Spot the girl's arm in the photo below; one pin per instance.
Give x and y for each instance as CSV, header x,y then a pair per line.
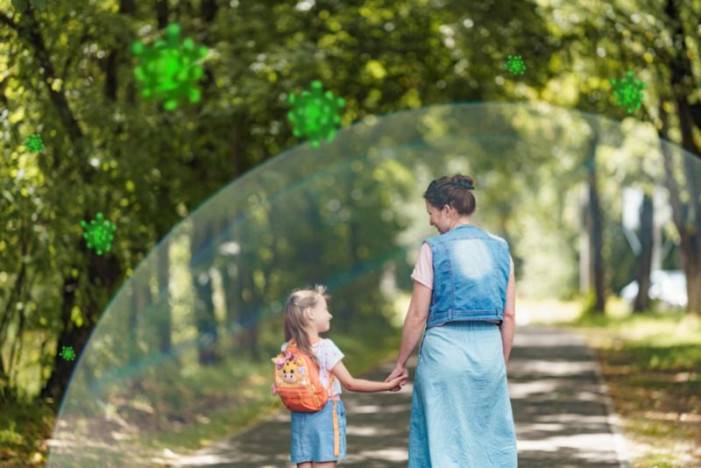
x,y
352,384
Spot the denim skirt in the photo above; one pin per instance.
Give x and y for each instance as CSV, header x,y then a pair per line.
x,y
461,410
313,434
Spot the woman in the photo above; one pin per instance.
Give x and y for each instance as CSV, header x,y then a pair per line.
x,y
464,291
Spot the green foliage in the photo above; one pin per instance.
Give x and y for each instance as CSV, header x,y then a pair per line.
x,y
589,313
22,5
24,426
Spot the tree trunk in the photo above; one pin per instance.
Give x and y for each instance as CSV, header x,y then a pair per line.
x,y
584,244
248,313
104,273
686,244
138,304
162,13
28,30
6,384
644,266
70,336
126,7
205,320
209,10
232,290
165,321
691,230
596,228
681,78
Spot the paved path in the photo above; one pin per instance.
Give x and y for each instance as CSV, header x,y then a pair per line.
x,y
561,409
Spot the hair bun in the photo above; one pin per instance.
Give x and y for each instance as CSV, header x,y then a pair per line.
x,y
465,184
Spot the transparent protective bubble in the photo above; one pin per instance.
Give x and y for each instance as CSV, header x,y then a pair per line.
x,y
181,356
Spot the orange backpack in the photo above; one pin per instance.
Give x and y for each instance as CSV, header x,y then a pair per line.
x,y
297,381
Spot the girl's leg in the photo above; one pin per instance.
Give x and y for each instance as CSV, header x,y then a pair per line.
x,y
305,465
330,464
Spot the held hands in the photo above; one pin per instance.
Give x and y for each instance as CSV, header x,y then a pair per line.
x,y
394,385
399,376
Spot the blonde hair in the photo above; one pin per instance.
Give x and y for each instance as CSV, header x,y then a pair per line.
x,y
295,322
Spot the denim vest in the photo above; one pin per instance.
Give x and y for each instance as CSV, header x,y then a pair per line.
x,y
470,274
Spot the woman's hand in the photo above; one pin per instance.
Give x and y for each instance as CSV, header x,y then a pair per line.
x,y
395,384
400,372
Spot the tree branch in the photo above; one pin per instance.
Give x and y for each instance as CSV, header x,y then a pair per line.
x,y
8,22
29,32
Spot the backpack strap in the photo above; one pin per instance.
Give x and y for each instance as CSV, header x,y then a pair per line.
x,y
329,389
336,437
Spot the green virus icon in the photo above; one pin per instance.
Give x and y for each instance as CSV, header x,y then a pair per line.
x,y
34,143
99,234
514,63
169,70
67,353
628,91
315,113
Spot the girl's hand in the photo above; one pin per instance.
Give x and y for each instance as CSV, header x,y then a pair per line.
x,y
395,384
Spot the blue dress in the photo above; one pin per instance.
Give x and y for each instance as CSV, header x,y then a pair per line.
x,y
315,436
461,413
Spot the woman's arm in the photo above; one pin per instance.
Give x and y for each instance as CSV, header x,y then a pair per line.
x,y
508,323
414,322
352,384
414,325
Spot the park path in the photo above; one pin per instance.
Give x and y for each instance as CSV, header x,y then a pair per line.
x,y
563,415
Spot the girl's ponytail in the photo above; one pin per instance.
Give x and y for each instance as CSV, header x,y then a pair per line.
x,y
295,321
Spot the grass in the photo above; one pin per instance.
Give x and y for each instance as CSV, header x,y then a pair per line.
x,y
652,365
24,428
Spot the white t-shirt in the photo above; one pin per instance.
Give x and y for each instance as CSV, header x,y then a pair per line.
x,y
328,355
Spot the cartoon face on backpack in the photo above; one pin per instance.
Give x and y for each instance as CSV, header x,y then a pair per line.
x,y
291,370
294,371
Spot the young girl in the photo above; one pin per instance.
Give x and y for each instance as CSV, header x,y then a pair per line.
x,y
319,439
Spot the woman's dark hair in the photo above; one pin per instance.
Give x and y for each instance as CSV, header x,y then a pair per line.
x,y
455,191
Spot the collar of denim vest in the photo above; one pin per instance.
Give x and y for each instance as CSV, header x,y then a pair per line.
x,y
461,225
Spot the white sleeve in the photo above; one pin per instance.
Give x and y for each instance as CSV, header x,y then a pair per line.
x,y
333,354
